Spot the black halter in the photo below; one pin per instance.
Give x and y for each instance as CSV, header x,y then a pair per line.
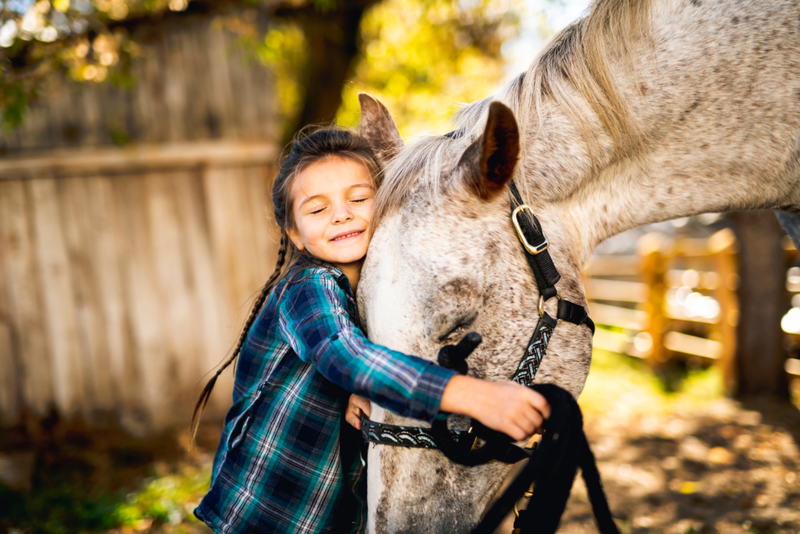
x,y
460,446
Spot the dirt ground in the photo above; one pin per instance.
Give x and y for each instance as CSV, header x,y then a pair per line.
x,y
724,468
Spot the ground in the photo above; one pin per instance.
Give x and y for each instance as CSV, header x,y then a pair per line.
x,y
688,461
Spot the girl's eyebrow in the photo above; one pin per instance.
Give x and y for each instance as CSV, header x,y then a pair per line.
x,y
369,186
307,199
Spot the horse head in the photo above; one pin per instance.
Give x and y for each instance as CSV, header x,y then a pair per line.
x,y
444,261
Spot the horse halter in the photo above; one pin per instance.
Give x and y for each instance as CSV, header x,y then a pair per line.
x,y
563,448
458,445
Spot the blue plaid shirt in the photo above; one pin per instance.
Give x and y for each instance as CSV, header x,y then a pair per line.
x,y
287,461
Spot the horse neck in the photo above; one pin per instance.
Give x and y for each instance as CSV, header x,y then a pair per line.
x,y
685,173
720,125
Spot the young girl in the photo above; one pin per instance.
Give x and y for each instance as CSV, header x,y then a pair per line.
x,y
286,461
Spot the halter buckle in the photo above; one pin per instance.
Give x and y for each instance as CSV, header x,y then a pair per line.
x,y
533,249
541,305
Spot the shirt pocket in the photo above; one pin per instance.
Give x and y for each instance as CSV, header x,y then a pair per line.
x,y
240,424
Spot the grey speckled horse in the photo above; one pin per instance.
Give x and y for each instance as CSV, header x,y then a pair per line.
x,y
642,111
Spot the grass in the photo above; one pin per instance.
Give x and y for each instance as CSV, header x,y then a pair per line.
x,y
162,502
618,382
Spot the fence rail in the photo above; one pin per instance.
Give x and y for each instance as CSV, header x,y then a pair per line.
x,y
676,299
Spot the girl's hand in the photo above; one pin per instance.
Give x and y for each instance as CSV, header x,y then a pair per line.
x,y
356,407
507,407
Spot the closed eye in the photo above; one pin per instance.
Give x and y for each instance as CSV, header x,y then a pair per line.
x,y
318,210
461,327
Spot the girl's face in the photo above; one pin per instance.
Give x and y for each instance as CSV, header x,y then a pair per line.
x,y
332,203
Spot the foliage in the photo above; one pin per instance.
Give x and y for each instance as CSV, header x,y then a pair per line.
x,y
168,499
423,57
283,49
59,507
81,38
56,509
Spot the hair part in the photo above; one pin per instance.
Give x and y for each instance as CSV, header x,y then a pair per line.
x,y
310,145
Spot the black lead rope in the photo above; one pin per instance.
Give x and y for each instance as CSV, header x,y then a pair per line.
x,y
552,470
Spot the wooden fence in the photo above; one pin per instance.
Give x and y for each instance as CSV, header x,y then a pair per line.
x,y
674,298
120,288
126,271
791,321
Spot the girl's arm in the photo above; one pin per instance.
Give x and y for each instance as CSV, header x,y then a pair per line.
x,y
315,322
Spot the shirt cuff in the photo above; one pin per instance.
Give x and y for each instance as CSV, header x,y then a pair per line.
x,y
429,391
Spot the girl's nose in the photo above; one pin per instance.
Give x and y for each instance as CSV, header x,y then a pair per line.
x,y
341,213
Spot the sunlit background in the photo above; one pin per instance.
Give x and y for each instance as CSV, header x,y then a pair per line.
x,y
138,144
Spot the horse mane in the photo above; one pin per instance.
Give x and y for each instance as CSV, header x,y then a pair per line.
x,y
573,70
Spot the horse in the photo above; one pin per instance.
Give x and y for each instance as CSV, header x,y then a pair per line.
x,y
641,111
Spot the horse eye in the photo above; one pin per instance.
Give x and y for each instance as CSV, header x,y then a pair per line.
x,y
459,329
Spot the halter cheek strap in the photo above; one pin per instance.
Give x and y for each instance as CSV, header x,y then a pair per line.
x,y
535,245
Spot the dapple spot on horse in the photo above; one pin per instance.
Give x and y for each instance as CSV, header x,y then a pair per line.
x,y
640,112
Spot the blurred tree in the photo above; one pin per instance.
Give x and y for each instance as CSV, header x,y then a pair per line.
x,y
423,57
415,49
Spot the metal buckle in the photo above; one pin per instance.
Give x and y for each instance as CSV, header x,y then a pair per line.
x,y
541,305
535,250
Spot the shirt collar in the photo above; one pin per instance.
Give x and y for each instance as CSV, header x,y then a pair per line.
x,y
307,260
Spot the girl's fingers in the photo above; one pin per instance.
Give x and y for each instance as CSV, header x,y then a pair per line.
x,y
539,403
361,403
353,419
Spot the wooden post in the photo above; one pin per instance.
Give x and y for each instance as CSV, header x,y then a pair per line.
x,y
723,246
653,267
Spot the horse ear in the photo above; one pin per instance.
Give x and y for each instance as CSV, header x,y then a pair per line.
x,y
378,128
489,163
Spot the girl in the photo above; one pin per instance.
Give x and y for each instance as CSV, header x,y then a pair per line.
x,y
286,461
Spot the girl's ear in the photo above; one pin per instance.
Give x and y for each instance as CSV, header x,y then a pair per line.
x,y
295,237
378,128
488,164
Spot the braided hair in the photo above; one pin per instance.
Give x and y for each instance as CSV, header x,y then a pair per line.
x,y
309,146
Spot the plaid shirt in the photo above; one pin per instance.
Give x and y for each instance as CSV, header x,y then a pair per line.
x,y
287,460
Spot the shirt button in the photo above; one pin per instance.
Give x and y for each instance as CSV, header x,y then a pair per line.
x,y
334,337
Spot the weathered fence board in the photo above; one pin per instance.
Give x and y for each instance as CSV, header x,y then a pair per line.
x,y
120,292
24,299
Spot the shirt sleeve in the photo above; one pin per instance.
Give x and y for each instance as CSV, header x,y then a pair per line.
x,y
315,323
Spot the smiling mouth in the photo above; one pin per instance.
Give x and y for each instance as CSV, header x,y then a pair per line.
x,y
351,234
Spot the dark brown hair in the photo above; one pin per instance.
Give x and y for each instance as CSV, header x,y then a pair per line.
x,y
309,146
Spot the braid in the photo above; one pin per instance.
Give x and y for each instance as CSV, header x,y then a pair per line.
x,y
206,393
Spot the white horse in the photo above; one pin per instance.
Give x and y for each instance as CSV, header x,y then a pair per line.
x,y
642,111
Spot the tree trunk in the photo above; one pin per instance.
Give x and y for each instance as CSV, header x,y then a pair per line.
x,y
760,355
334,45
